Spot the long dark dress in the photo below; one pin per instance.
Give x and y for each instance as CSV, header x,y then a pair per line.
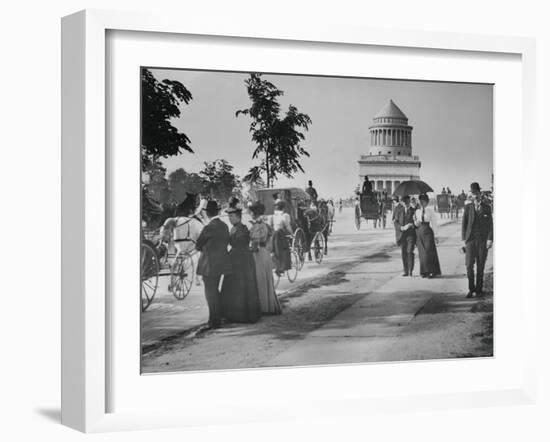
x,y
240,301
427,252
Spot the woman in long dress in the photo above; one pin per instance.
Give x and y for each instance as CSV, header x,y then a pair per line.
x,y
240,300
281,228
426,223
259,237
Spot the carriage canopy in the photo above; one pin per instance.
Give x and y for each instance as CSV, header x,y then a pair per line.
x,y
295,198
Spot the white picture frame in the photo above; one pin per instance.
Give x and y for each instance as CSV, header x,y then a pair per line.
x,y
85,200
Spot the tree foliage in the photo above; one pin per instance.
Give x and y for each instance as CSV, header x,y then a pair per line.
x,y
219,181
278,139
160,102
181,183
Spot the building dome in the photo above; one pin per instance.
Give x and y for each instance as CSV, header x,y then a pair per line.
x,y
390,132
390,110
389,161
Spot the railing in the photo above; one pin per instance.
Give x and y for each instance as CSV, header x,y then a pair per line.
x,y
397,158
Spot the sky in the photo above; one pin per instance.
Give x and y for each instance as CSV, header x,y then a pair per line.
x,y
452,126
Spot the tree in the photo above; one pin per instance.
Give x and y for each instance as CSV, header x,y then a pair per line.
x,y
278,139
158,184
160,102
181,183
219,181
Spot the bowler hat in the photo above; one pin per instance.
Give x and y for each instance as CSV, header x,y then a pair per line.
x,y
474,187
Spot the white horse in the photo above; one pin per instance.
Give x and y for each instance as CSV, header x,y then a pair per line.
x,y
181,233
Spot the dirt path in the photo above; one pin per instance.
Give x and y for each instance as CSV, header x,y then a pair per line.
x,y
448,326
443,325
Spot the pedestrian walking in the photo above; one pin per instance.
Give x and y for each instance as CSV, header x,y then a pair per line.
x,y
239,298
259,237
426,221
477,234
214,260
405,235
281,228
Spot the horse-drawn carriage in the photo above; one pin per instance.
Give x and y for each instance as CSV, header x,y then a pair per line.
x,y
310,226
168,250
374,206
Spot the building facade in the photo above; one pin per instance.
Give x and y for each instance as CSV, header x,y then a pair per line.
x,y
390,159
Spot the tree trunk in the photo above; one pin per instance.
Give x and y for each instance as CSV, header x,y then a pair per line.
x,y
267,167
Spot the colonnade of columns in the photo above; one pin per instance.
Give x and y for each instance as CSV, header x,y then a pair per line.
x,y
390,137
385,184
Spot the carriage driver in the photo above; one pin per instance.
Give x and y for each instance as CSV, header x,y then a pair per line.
x,y
310,190
367,187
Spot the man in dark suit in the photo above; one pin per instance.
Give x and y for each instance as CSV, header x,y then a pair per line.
x,y
214,260
310,190
477,234
366,190
405,234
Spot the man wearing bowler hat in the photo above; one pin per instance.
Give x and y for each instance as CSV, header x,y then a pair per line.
x,y
405,234
477,234
214,260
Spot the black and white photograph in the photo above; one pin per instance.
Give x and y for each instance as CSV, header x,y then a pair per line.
x,y
295,220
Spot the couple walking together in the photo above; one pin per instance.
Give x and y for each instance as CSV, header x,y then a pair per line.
x,y
417,226
240,256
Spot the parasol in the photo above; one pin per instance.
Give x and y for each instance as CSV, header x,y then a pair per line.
x,y
413,187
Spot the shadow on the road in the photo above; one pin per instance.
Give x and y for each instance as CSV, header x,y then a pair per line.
x,y
452,276
448,303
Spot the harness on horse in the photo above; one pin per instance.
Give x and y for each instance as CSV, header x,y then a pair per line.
x,y
186,222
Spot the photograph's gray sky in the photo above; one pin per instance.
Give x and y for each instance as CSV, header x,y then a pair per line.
x,y
452,126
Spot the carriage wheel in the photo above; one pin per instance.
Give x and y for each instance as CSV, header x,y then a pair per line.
x,y
318,247
292,273
181,276
299,246
150,268
357,218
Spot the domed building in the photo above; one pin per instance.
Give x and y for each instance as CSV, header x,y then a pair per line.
x,y
390,159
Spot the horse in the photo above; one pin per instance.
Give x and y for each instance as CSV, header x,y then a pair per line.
x,y
316,220
385,203
182,231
